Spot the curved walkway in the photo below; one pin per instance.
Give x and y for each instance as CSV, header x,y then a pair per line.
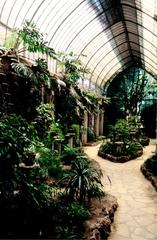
x,y
136,217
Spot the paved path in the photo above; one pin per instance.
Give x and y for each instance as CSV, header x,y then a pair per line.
x,y
136,217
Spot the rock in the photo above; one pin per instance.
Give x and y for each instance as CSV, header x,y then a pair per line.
x,y
102,214
96,235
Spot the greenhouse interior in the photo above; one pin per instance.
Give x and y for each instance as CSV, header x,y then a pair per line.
x,y
78,119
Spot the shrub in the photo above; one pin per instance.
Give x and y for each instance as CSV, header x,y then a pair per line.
x,y
44,119
132,148
15,135
120,131
50,162
69,154
129,148
75,213
107,147
23,193
76,130
71,216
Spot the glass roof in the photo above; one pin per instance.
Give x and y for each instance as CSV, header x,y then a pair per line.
x,y
107,35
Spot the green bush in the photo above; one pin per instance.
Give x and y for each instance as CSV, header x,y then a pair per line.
x,y
44,119
71,216
15,135
120,131
129,148
133,148
76,130
107,148
69,154
75,213
50,162
23,193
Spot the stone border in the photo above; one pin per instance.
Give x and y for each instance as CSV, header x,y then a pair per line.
x,y
149,176
120,159
102,215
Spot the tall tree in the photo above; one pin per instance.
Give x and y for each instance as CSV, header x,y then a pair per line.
x,y
129,89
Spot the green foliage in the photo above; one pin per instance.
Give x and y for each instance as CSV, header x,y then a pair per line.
x,y
12,40
95,191
38,73
69,154
93,100
66,108
45,110
75,213
67,232
15,135
126,130
151,165
133,148
73,67
76,130
100,138
128,90
41,73
91,135
107,148
50,162
71,215
129,148
81,179
56,130
21,69
34,39
44,119
120,131
23,193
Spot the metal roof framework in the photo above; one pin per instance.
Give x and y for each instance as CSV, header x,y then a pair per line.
x,y
107,35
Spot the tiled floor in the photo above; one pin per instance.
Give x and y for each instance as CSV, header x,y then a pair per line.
x,y
136,217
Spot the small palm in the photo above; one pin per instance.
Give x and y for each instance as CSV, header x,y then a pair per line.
x,y
81,179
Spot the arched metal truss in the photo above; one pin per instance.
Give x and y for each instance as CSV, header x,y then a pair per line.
x,y
112,34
